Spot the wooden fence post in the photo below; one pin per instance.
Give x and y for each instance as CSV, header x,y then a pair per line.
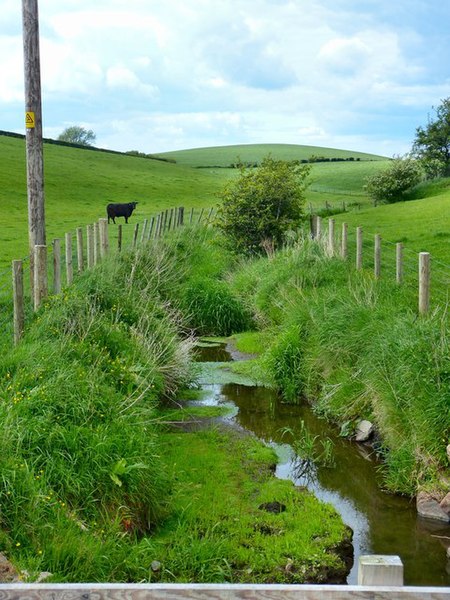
x,y
399,262
318,227
90,245
166,215
344,241
135,235
80,259
181,216
96,242
377,256
172,219
313,226
104,240
200,216
424,282
56,266
144,230
119,237
40,275
359,247
191,216
19,312
150,229
69,266
378,570
331,236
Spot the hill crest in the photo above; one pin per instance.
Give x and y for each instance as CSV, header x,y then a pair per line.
x,y
224,156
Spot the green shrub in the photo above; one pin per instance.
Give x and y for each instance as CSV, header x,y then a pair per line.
x,y
262,205
392,184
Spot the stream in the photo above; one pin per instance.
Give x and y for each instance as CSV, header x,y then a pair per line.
x,y
381,523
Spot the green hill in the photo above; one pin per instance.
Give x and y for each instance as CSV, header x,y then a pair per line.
x,y
79,183
224,156
336,176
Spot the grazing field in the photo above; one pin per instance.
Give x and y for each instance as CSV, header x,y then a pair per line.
x,y
341,179
79,183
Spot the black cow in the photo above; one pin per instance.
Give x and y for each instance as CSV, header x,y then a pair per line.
x,y
120,210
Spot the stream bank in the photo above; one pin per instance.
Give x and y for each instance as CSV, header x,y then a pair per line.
x,y
382,523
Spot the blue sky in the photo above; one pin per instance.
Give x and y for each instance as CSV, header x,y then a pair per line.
x,y
164,75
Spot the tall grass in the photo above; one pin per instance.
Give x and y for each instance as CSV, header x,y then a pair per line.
x,y
355,348
79,461
203,295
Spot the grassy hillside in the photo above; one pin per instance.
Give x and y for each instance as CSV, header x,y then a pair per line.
x,y
422,225
223,156
79,183
331,182
335,182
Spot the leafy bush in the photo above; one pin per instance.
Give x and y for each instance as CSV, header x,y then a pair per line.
x,y
263,204
390,185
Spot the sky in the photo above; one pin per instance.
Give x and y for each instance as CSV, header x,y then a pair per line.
x,y
165,75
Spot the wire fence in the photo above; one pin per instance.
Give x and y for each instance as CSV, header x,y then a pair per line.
x,y
387,261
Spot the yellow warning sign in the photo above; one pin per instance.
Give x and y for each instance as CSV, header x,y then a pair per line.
x,y
29,120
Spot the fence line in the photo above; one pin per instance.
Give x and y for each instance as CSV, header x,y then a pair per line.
x,y
85,253
388,261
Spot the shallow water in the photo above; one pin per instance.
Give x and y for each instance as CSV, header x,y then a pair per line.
x,y
382,523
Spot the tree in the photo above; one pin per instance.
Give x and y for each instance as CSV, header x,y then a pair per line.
x,y
78,135
432,143
391,184
263,204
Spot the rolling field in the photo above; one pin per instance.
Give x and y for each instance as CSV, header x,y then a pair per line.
x,y
331,182
79,183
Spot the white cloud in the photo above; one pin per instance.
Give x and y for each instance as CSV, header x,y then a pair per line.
x,y
196,72
119,76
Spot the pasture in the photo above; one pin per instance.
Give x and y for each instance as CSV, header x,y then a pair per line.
x,y
88,342
79,183
422,225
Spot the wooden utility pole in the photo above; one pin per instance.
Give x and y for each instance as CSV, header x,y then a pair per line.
x,y
33,124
